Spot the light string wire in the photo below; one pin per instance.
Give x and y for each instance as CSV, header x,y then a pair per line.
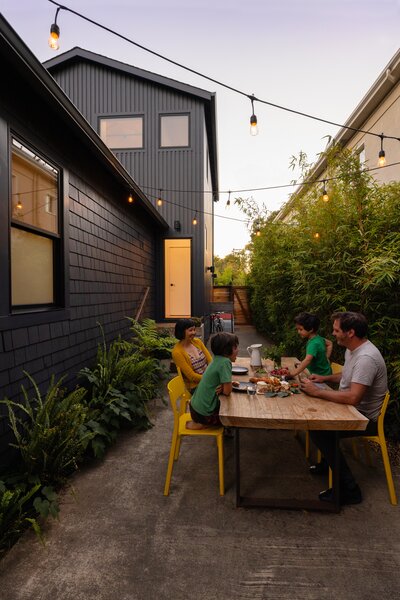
x,y
266,188
247,221
251,97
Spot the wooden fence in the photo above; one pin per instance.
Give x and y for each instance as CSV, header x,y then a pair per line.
x,y
238,295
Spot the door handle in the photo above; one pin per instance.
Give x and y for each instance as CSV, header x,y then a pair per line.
x,y
172,284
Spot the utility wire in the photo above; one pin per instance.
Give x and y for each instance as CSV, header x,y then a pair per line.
x,y
251,97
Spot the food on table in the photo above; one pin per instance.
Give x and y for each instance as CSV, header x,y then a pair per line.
x,y
282,372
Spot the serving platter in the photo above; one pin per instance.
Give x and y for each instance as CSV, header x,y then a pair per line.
x,y
236,370
242,387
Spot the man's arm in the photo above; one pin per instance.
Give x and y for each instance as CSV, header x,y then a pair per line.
x,y
351,396
334,378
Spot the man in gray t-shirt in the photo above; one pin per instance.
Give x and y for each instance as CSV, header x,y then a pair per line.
x,y
362,383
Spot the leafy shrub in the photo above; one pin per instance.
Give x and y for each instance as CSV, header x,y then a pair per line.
x,y
121,384
354,264
21,504
150,341
48,430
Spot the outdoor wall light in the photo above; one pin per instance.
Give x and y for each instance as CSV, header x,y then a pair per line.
x,y
177,225
54,33
210,269
381,156
253,118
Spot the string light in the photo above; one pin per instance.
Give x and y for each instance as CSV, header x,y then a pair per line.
x,y
316,235
229,87
228,202
325,196
19,205
55,33
130,198
253,118
194,222
381,156
159,199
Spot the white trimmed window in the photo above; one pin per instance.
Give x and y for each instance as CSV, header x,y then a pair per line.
x,y
35,234
174,131
122,132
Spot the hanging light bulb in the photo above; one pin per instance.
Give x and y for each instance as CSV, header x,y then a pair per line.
x,y
253,118
159,199
381,156
130,198
19,205
325,196
228,202
54,33
194,222
258,232
316,235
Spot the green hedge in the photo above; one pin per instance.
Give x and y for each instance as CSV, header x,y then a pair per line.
x,y
353,264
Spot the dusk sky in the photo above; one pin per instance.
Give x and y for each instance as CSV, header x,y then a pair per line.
x,y
315,56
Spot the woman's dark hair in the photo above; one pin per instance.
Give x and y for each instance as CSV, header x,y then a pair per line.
x,y
308,321
180,327
352,320
222,344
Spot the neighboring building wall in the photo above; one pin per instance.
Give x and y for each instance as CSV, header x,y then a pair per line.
x,y
99,91
385,119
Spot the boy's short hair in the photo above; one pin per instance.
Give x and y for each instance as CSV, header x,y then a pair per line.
x,y
352,320
222,344
309,321
180,327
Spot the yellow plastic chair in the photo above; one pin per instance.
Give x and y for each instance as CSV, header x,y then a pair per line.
x,y
185,400
381,440
336,368
176,390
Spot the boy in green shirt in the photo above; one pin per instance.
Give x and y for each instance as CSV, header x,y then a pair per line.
x,y
217,379
318,349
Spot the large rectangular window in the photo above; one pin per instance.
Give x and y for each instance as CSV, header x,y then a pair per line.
x,y
174,131
34,228
122,132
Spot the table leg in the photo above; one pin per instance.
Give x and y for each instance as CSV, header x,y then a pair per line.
x,y
237,464
336,474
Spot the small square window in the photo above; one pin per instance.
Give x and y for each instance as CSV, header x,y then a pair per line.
x,y
122,132
174,131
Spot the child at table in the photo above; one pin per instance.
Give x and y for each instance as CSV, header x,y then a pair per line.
x,y
217,379
318,349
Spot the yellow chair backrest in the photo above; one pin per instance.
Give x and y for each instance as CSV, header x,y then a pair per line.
x,y
336,368
177,391
381,417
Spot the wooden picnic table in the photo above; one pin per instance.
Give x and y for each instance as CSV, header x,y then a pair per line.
x,y
296,412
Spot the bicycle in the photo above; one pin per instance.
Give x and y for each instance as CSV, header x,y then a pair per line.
x,y
217,322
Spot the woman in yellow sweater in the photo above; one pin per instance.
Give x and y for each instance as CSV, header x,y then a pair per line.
x,y
190,354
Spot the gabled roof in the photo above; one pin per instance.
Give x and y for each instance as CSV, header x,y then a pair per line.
x,y
381,88
80,55
16,51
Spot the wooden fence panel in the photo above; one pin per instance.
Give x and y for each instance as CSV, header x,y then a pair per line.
x,y
238,295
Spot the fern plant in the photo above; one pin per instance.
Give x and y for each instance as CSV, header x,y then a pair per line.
x,y
149,340
47,430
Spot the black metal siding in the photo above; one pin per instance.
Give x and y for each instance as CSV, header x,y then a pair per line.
x,y
97,92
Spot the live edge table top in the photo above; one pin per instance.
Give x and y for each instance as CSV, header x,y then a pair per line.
x,y
297,411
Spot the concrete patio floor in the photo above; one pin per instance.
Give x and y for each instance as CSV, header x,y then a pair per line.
x,y
119,538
